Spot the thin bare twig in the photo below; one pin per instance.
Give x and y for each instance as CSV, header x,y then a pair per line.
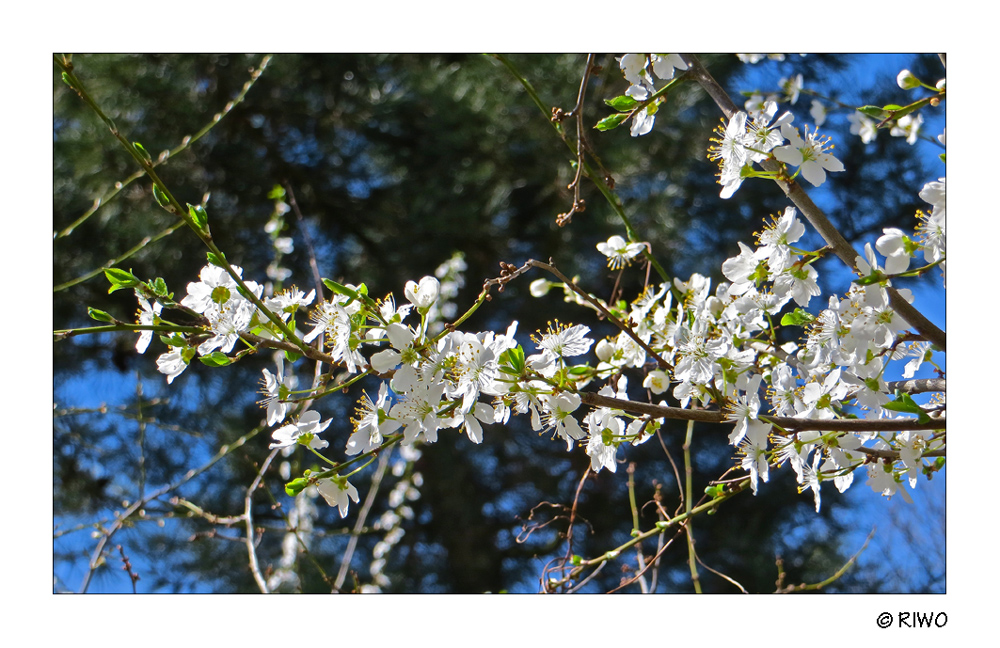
x,y
127,566
317,278
840,572
688,529
590,577
114,262
721,575
654,561
345,562
579,204
248,518
95,559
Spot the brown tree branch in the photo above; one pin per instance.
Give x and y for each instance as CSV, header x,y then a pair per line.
x,y
786,422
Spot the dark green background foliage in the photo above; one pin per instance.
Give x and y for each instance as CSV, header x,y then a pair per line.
x,y
397,161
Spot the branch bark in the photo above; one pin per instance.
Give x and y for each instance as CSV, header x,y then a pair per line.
x,y
786,422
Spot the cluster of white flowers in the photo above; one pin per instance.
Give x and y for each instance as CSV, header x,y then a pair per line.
x,y
636,68
841,362
713,343
716,348
932,226
745,140
218,298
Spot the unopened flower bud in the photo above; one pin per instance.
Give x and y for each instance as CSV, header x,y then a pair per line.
x,y
907,81
605,350
539,287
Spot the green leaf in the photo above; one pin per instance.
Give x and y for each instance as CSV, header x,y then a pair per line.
x,y
611,121
902,111
216,261
892,107
216,359
580,370
798,317
277,192
873,111
117,275
337,288
99,315
622,103
120,279
341,289
512,361
65,78
291,356
905,403
172,341
142,151
198,215
873,278
160,287
161,198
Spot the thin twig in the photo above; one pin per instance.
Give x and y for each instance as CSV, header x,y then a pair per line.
x,y
142,434
721,575
166,155
604,183
114,262
578,203
227,520
840,572
127,566
677,475
654,561
688,529
586,580
600,307
248,518
120,519
317,278
345,563
635,526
